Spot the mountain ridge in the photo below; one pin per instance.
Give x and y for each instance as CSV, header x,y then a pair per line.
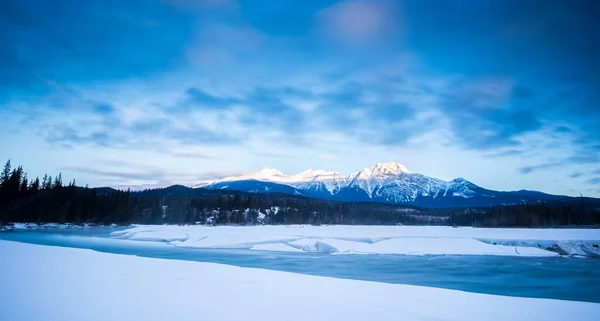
x,y
386,182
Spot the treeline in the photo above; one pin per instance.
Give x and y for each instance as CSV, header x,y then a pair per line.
x,y
49,200
539,214
230,207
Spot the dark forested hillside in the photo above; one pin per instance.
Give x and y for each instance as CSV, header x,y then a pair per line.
x,y
50,200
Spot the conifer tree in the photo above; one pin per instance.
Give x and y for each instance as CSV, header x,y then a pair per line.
x,y
35,185
24,184
14,182
44,181
6,173
48,185
58,181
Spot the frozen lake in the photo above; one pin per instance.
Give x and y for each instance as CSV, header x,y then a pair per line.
x,y
558,277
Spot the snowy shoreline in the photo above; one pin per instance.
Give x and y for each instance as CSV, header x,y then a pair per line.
x,y
407,240
54,283
34,226
346,239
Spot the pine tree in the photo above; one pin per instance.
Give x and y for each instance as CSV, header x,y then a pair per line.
x,y
35,185
249,202
58,181
24,184
6,174
14,182
44,181
237,202
48,185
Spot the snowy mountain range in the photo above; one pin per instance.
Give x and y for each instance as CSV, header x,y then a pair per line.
x,y
389,182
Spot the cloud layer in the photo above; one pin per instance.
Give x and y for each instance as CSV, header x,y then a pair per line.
x,y
232,86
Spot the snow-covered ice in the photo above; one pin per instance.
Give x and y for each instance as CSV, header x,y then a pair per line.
x,y
54,283
408,240
423,245
278,247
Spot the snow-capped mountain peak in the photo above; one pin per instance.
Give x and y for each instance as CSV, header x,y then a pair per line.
x,y
311,174
270,172
265,174
389,182
382,170
391,168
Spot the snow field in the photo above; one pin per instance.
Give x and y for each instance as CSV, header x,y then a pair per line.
x,y
407,240
54,283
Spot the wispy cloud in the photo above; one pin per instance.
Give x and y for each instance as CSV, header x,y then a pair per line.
x,y
533,168
271,154
144,175
574,160
509,152
359,22
584,158
482,116
575,174
594,181
194,155
149,176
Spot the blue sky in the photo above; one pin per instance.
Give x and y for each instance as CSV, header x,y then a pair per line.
x,y
152,93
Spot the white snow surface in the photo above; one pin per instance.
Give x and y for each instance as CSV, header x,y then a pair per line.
x,y
419,246
276,247
67,284
407,240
